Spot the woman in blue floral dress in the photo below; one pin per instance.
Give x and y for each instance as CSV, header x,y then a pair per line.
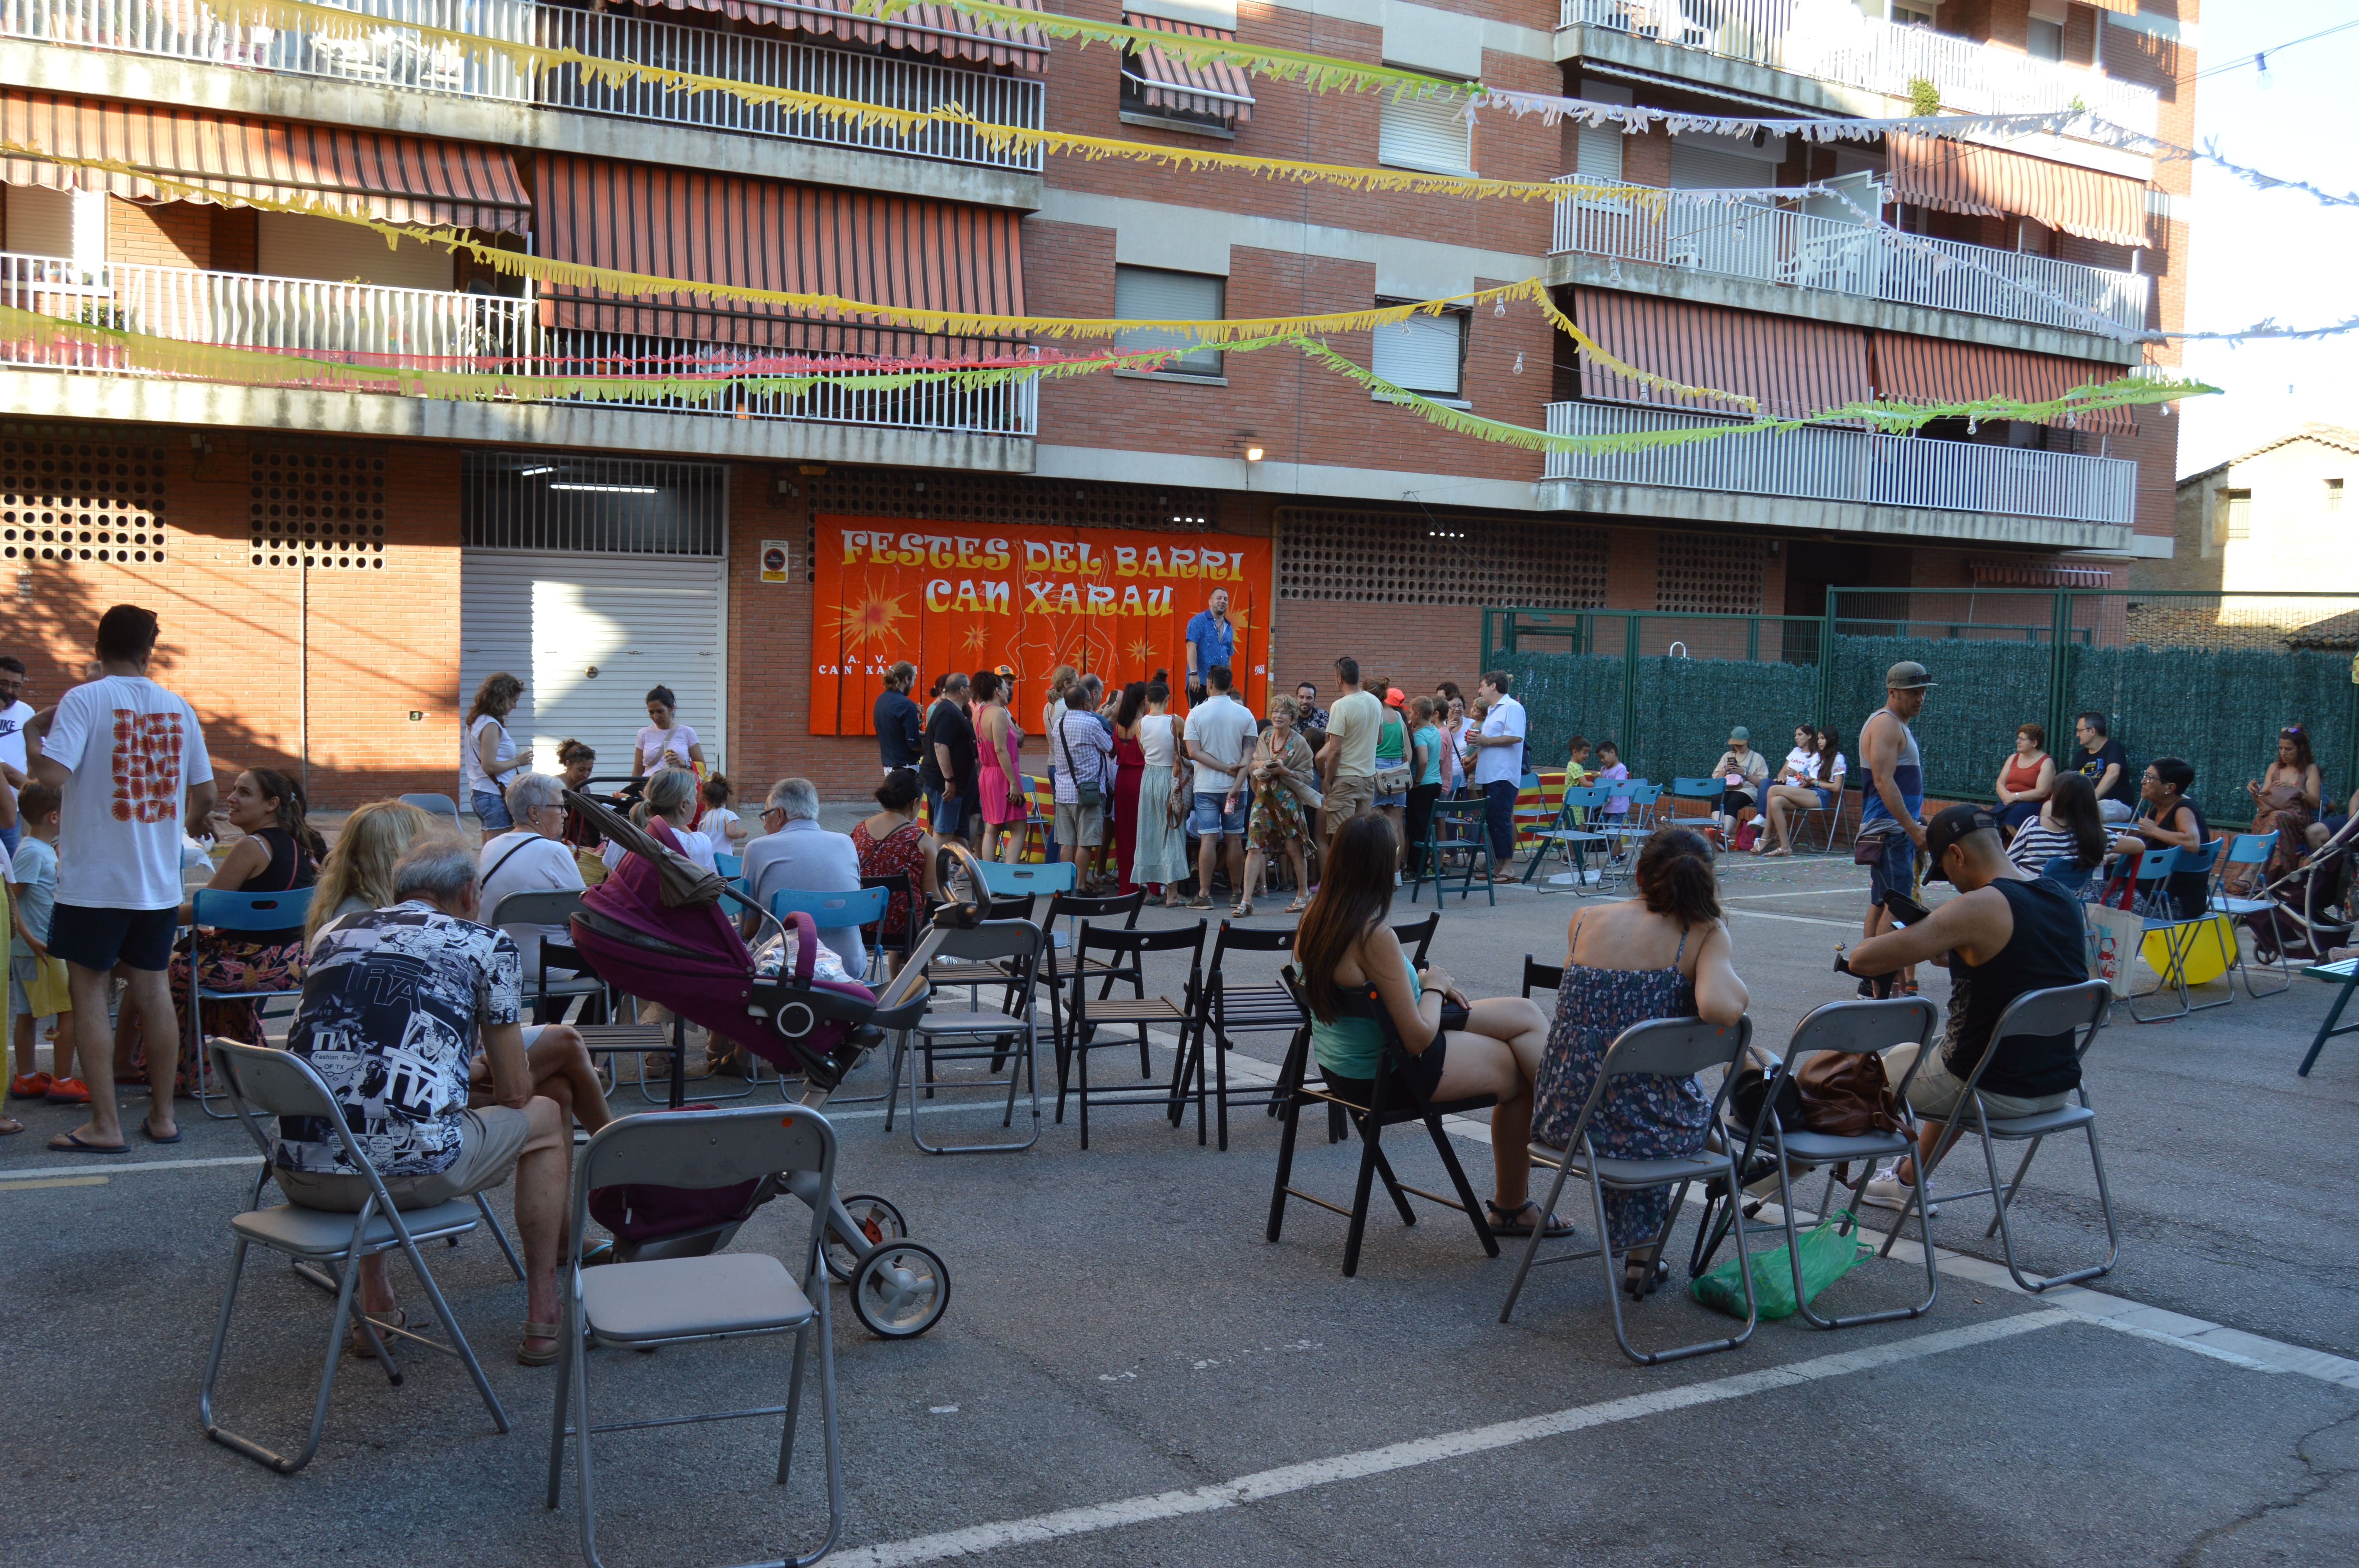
x,y
1664,953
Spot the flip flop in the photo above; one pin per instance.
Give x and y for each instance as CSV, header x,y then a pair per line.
x,y
9,1126
68,1143
149,1133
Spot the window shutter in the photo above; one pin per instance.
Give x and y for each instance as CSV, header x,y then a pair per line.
x,y
1430,134
1709,169
1423,358
1150,292
1599,153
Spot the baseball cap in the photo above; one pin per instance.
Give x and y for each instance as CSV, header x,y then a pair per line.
x,y
1739,732
1007,670
1908,675
1947,827
1394,695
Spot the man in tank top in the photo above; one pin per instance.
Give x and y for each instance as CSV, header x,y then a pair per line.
x,y
2009,932
1893,798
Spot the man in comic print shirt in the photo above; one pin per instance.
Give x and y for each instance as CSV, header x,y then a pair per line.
x,y
394,1002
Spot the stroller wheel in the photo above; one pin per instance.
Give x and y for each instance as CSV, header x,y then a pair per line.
x,y
900,1289
877,1220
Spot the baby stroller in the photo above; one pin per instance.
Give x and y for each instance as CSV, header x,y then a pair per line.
x,y
657,929
2311,914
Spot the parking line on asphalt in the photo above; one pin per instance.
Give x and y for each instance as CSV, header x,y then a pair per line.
x,y
1808,892
1797,919
1289,1479
55,1182
28,1175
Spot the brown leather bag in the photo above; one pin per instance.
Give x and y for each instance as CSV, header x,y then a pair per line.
x,y
1846,1094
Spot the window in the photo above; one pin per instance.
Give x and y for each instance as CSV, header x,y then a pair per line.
x,y
2237,522
541,501
1430,133
1912,16
1597,154
2334,495
1156,294
1423,354
2045,40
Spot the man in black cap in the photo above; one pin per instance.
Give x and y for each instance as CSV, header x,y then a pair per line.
x,y
1893,796
2007,932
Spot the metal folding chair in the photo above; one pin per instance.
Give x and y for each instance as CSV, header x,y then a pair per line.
x,y
1573,832
2247,850
552,907
220,910
830,912
2068,873
1072,908
1834,815
2082,1011
688,1300
1393,1099
1665,1047
730,866
264,1085
1858,1028
1457,828
435,805
1088,1014
2178,932
1705,792
1226,1009
1007,951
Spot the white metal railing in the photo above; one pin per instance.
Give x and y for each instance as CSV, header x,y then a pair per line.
x,y
396,55
420,328
1825,462
1782,239
1831,40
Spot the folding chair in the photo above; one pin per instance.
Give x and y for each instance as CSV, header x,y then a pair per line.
x,y
1705,792
2179,932
1537,975
231,911
2068,873
1226,1009
1073,908
550,907
1665,1047
2079,1010
1834,815
1571,834
1537,806
2343,974
834,910
730,866
1625,828
1416,937
1857,1028
687,1300
1003,951
1090,1013
1457,827
2247,850
1393,1100
909,882
263,1084
434,804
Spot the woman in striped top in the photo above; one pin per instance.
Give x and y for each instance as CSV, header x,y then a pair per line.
x,y
2068,827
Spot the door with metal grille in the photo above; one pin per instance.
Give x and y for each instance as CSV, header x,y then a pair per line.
x,y
592,580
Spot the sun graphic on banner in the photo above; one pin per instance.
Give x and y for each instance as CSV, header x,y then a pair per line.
x,y
1240,616
1143,653
872,621
976,636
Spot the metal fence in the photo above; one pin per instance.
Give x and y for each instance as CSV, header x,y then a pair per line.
x,y
2208,677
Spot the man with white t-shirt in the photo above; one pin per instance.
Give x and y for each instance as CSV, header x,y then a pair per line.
x,y
1220,740
14,711
1496,758
128,758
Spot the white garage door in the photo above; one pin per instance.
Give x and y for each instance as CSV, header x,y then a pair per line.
x,y
589,635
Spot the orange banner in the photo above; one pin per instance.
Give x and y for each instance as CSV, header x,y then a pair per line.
x,y
1112,601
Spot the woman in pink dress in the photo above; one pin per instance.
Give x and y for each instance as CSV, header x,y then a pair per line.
x,y
999,777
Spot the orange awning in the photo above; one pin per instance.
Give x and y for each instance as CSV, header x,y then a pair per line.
x,y
768,233
1175,83
240,160
1942,370
1959,176
927,29
1795,367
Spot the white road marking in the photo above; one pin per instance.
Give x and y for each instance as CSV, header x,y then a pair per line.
x,y
114,1167
1797,919
1812,892
1289,1479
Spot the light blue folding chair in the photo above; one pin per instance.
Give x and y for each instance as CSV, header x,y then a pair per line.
x,y
2247,850
2068,873
830,912
224,913
2180,933
434,805
730,866
1003,880
1572,833
1706,792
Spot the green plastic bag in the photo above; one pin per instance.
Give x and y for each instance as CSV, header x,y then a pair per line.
x,y
1826,1258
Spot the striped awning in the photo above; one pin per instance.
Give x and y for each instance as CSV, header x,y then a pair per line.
x,y
1941,369
768,233
2020,574
1959,176
926,29
239,161
1795,367
1169,81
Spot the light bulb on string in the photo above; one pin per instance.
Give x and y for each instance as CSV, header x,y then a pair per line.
x,y
1499,306
1519,364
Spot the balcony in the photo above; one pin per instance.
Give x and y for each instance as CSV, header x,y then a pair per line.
x,y
1830,40
1779,242
1833,464
418,328
397,55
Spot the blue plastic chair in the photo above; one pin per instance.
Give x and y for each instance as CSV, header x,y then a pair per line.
x,y
2068,873
1569,833
226,912
2178,933
730,866
1003,880
2248,849
434,804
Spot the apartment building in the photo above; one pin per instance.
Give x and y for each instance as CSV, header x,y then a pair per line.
x,y
338,569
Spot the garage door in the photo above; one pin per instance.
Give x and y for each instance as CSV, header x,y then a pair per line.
x,y
589,635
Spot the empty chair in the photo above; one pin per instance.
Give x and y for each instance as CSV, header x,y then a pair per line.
x,y
721,1296
263,1084
1071,909
1227,1008
1457,828
2251,850
1664,1047
839,917
440,806
552,908
1572,836
1009,951
1126,953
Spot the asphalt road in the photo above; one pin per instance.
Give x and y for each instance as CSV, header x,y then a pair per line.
x,y
1129,1373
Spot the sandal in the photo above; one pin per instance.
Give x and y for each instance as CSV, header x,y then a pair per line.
x,y
1298,906
548,1331
1511,1221
358,1338
1640,1280
1908,988
1241,911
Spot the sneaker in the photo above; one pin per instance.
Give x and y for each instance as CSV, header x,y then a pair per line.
x,y
1887,1190
68,1091
29,1085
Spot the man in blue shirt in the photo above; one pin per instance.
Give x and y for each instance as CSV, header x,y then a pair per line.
x,y
900,739
1212,640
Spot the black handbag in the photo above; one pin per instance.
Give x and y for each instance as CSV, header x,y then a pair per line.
x,y
1084,794
1751,1085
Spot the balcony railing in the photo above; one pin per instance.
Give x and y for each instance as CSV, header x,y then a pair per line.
x,y
397,55
1782,242
1830,463
1830,39
421,329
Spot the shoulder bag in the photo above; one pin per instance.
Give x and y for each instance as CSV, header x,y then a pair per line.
x,y
1845,1094
1085,791
1395,779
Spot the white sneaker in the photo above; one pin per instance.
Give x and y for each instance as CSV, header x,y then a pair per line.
x,y
1887,1190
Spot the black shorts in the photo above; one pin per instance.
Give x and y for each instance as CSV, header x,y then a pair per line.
x,y
100,938
1424,1072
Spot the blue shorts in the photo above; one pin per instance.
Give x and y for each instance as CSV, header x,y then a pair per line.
x,y
491,811
100,938
1206,820
1896,871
